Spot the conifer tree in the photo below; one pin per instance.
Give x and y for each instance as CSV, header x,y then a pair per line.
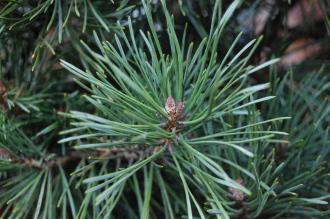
x,y
153,109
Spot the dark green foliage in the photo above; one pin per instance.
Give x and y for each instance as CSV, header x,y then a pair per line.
x,y
122,110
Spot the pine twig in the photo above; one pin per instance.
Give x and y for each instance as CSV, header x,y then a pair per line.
x,y
125,153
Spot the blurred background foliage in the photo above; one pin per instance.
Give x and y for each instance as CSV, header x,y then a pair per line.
x,y
36,92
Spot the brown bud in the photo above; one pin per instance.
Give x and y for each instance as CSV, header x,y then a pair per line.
x,y
5,154
170,105
237,194
179,109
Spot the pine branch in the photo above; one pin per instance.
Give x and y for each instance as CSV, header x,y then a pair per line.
x,y
164,121
127,153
